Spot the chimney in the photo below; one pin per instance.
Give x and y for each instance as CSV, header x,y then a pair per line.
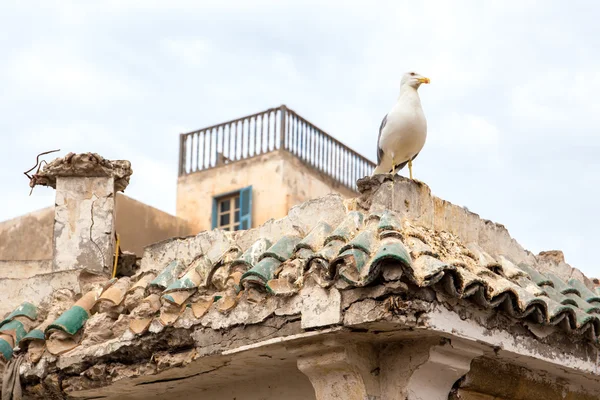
x,y
84,219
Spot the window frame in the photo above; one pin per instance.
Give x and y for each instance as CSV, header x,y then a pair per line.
x,y
232,212
244,220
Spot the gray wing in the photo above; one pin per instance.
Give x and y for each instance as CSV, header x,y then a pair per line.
x,y
379,149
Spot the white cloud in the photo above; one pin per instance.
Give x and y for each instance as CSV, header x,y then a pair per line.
x,y
58,71
465,133
192,51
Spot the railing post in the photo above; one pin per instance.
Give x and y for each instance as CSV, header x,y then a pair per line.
x,y
282,130
181,153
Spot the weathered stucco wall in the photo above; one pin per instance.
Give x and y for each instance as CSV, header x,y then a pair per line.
x,y
279,182
28,237
84,223
34,288
21,269
139,224
18,281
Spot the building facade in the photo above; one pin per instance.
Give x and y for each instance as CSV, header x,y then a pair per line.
x,y
241,173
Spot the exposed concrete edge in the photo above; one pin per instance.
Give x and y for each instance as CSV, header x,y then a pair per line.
x,y
522,350
282,339
42,275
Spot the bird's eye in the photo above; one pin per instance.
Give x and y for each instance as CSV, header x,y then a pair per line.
x,y
412,74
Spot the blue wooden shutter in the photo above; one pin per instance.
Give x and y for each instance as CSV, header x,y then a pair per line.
x,y
246,208
215,214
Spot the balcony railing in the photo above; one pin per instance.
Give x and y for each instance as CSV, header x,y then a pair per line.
x,y
275,128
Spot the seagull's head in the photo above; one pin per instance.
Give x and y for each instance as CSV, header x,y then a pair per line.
x,y
413,79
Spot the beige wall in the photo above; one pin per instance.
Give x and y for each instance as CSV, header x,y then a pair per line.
x,y
29,237
279,182
139,224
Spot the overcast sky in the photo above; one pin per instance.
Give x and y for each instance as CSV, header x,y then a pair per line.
x,y
513,107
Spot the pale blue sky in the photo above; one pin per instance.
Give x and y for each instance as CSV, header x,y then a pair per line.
x,y
513,107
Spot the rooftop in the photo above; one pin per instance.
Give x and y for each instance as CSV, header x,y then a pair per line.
x,y
274,129
395,259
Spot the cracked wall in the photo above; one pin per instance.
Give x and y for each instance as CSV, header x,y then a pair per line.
x,y
84,224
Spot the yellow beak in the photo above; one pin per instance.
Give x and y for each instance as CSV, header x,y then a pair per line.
x,y
424,80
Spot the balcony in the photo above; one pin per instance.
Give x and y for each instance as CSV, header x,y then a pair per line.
x,y
271,130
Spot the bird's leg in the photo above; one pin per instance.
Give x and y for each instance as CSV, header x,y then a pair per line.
x,y
393,169
410,168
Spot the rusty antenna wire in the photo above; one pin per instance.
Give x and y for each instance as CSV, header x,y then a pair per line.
x,y
38,164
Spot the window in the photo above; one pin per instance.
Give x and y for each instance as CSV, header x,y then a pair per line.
x,y
233,211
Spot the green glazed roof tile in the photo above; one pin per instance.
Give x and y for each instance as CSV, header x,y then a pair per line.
x,y
71,321
5,350
365,240
34,334
17,327
389,222
315,239
352,264
264,270
169,298
583,318
169,274
558,297
584,305
200,268
557,311
249,279
561,285
585,293
24,310
348,228
427,270
525,300
251,256
522,298
390,250
330,251
181,284
304,254
536,276
529,285
283,249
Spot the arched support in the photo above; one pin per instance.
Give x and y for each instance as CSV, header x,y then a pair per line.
x,y
424,369
348,371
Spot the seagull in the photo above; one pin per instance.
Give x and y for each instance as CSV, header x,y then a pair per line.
x,y
403,130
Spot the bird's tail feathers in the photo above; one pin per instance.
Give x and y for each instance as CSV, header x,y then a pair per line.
x,y
380,169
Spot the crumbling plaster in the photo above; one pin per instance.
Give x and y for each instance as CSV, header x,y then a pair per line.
x,y
202,355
